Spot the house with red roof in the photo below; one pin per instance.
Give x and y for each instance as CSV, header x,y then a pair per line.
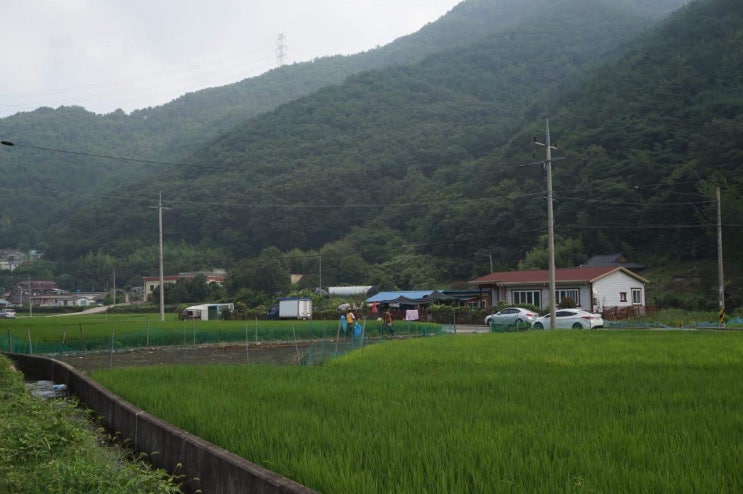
x,y
595,289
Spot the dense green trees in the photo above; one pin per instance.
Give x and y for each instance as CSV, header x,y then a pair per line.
x,y
194,290
258,281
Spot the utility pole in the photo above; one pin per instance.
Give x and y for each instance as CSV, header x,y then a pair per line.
x,y
162,274
720,281
30,300
550,221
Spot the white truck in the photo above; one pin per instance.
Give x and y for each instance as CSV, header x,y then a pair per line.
x,y
293,308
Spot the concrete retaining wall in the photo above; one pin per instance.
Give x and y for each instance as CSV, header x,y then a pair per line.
x,y
218,471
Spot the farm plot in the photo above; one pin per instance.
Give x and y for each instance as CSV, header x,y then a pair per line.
x,y
561,411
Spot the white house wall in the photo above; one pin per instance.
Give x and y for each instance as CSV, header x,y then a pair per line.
x,y
609,288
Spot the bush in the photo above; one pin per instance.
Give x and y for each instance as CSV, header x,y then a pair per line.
x,y
685,302
567,303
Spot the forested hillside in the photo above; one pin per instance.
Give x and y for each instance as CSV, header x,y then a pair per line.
x,y
651,137
49,184
412,152
410,175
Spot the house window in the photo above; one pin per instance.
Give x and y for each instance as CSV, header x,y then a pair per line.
x,y
531,297
571,293
622,296
637,296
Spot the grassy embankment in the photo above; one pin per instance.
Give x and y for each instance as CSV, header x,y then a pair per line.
x,y
560,411
50,446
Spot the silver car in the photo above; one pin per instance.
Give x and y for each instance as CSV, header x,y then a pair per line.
x,y
511,315
571,318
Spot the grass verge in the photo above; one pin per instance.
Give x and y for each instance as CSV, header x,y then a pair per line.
x,y
51,446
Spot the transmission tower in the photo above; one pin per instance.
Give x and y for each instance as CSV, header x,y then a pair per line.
x,y
281,50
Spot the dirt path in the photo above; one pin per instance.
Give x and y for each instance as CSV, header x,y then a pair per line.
x,y
226,354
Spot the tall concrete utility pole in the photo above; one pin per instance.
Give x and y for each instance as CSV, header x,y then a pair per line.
x,y
550,222
160,243
162,276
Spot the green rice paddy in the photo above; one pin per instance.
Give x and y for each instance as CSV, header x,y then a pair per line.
x,y
559,411
80,333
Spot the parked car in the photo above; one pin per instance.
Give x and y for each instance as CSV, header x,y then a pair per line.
x,y
511,315
570,318
7,314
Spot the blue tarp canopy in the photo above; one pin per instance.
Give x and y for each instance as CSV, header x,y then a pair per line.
x,y
389,297
420,297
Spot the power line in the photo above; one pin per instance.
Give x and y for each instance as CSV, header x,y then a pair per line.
x,y
628,203
106,156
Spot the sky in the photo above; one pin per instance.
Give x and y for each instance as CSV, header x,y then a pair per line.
x,y
106,55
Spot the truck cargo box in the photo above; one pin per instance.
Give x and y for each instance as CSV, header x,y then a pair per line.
x,y
295,308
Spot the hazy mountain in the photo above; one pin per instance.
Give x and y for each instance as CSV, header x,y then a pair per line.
x,y
418,135
50,184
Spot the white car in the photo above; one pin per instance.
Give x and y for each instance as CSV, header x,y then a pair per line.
x,y
511,315
570,318
7,314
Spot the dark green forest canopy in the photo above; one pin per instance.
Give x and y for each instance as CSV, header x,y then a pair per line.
x,y
406,144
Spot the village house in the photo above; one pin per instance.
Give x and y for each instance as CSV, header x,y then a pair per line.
x,y
595,289
11,259
33,288
47,293
69,299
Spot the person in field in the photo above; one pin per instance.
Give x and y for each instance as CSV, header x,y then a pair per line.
x,y
350,320
388,323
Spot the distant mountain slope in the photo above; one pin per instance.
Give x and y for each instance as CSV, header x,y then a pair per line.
x,y
404,144
51,184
